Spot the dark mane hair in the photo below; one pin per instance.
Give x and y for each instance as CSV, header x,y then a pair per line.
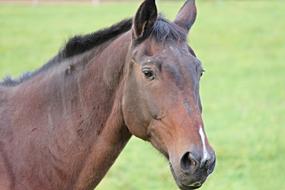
x,y
163,31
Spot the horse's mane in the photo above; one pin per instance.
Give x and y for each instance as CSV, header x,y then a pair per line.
x,y
163,31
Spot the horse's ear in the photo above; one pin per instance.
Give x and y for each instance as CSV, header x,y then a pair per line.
x,y
186,15
144,20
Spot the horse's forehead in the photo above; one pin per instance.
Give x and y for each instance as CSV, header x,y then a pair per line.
x,y
178,50
176,54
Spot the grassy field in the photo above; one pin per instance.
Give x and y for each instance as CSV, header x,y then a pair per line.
x,y
242,47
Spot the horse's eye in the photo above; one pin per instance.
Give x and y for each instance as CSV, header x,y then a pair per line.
x,y
148,73
202,72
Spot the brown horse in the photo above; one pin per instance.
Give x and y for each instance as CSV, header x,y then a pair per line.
x,y
63,126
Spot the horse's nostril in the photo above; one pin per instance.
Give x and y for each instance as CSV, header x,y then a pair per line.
x,y
211,165
188,162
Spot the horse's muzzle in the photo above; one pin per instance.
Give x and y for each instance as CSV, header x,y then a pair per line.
x,y
193,170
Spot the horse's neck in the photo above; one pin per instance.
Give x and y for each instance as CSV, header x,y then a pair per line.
x,y
114,135
76,115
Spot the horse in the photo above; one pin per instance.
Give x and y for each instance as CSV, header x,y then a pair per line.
x,y
63,125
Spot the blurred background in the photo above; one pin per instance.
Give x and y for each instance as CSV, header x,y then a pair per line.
x,y
242,47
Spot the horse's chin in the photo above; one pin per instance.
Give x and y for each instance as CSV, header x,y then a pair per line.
x,y
180,183
184,187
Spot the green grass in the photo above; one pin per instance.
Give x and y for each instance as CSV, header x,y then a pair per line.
x,y
242,46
